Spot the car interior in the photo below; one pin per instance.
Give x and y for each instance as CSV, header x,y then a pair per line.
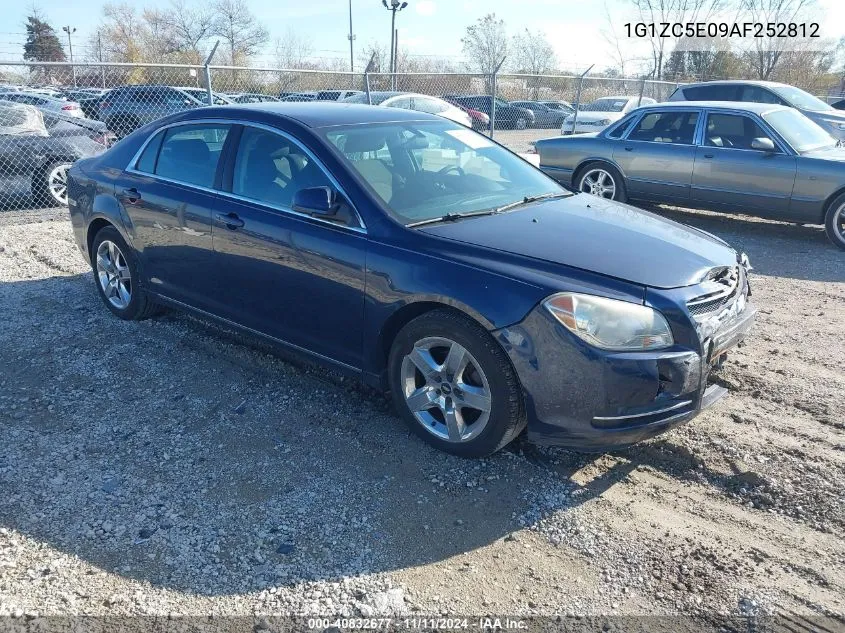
x,y
666,127
729,130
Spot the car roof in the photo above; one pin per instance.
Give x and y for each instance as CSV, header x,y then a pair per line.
x,y
745,106
316,114
746,82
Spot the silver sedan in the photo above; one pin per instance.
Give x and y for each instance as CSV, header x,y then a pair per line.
x,y
761,159
45,103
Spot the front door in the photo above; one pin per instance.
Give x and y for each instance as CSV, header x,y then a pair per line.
x,y
293,277
729,173
657,155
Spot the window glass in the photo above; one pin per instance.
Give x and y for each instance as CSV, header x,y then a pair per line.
x,y
666,127
717,92
617,130
190,153
732,130
430,106
756,94
271,168
797,98
147,162
435,168
799,131
403,102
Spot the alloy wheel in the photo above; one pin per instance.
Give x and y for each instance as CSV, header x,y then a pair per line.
x,y
598,182
114,275
446,389
521,124
839,222
57,183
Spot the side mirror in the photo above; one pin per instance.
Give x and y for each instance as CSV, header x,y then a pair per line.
x,y
315,201
763,144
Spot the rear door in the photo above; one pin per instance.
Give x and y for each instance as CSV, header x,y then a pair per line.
x,y
168,192
657,155
729,173
297,278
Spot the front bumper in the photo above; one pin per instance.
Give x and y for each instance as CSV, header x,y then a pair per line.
x,y
589,399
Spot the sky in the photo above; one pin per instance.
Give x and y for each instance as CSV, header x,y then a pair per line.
x,y
426,27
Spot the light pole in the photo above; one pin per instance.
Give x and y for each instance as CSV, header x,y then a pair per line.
x,y
351,37
393,7
70,31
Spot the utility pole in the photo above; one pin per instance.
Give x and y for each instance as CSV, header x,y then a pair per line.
x,y
351,38
393,7
100,57
70,31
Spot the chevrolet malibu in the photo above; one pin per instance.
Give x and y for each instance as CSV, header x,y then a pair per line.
x,y
423,258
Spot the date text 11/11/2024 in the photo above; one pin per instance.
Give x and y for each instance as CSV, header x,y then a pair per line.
x,y
333,625
758,30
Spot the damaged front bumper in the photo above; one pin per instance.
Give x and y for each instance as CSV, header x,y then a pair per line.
x,y
590,399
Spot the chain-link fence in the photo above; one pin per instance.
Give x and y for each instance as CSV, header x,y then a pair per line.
x,y
53,113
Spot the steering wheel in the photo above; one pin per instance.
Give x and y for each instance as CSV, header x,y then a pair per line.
x,y
445,170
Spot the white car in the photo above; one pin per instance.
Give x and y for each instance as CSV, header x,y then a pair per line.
x,y
596,116
45,103
414,101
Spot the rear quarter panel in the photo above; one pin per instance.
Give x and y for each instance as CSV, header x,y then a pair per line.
x,y
561,156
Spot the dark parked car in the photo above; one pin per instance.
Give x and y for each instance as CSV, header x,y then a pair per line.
x,y
544,116
767,92
759,159
422,257
563,106
507,115
838,105
125,109
43,147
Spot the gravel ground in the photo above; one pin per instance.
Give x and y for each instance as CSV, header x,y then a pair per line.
x,y
170,467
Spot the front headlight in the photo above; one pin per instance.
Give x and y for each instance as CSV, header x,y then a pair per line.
x,y
609,323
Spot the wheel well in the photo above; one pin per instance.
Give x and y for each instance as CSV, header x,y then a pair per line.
x,y
830,199
401,318
93,229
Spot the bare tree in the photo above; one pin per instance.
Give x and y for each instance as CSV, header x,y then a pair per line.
x,y
532,54
614,42
766,54
485,44
190,26
243,33
293,51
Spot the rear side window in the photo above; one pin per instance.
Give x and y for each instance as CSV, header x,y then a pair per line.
x,y
190,153
619,129
429,105
716,92
147,162
666,127
756,94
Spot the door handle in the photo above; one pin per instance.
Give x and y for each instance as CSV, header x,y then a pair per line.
x,y
231,220
131,195
629,149
708,156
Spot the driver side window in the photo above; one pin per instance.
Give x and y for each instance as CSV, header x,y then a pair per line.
x,y
732,131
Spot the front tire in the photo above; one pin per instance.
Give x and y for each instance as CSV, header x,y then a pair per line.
x,y
49,184
602,180
454,385
521,123
834,222
116,274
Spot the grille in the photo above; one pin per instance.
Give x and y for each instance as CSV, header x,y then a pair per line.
x,y
722,287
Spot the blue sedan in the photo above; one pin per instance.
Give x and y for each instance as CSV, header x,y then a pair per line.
x,y
423,258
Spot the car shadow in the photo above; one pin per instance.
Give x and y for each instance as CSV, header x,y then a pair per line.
x,y
776,249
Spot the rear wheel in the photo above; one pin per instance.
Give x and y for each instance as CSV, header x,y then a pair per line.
x,y
834,223
602,180
521,123
116,273
454,385
49,184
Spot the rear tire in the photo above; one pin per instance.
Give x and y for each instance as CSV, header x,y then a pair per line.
x,y
49,184
521,123
834,222
116,275
466,400
593,171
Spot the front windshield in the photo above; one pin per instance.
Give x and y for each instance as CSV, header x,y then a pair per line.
x,y
797,98
606,105
422,171
799,131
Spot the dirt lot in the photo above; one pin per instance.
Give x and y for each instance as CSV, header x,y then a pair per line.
x,y
171,467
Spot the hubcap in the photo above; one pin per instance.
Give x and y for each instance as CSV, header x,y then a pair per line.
x,y
521,124
839,222
113,275
57,183
446,389
598,182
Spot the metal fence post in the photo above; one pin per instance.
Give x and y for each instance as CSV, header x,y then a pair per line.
x,y
642,90
578,97
493,82
367,87
208,73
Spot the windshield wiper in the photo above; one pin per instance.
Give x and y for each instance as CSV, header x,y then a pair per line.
x,y
451,217
529,199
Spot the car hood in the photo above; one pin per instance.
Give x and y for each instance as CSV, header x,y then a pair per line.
x,y
598,235
598,116
831,153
